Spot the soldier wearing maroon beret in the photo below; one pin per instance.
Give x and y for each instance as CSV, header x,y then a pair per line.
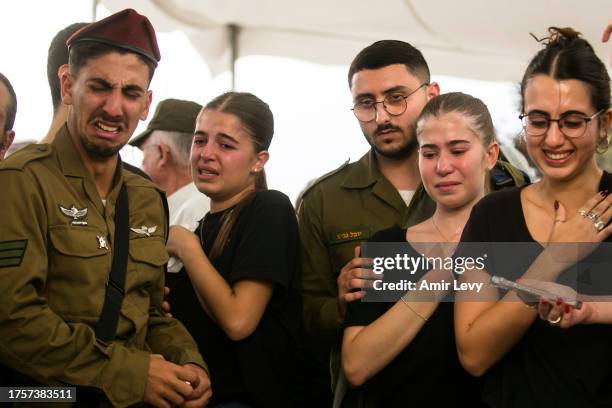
x,y
83,253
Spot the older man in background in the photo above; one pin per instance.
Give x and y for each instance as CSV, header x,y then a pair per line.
x,y
165,145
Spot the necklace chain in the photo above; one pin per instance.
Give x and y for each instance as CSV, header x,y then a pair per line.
x,y
440,231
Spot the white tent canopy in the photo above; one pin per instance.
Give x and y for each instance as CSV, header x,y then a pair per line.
x,y
296,55
479,39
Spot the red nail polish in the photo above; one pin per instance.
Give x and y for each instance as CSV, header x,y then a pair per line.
x,y
559,301
556,205
542,301
567,308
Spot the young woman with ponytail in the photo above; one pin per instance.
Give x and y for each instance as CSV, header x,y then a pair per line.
x,y
238,293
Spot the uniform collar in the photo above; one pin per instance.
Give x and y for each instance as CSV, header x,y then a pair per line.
x,y
365,174
72,165
67,155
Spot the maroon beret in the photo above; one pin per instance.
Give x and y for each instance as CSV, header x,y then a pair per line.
x,y
125,29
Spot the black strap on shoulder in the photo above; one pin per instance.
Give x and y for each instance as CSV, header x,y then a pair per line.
x,y
164,200
115,286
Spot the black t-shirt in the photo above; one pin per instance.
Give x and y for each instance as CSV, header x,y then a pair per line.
x,y
549,366
262,245
427,373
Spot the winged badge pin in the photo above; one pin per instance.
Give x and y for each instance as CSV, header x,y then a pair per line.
x,y
144,230
76,214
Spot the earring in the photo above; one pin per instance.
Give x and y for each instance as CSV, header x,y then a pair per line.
x,y
603,144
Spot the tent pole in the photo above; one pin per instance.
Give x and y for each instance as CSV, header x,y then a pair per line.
x,y
94,9
234,31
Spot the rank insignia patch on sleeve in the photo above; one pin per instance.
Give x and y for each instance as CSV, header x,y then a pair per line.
x,y
12,252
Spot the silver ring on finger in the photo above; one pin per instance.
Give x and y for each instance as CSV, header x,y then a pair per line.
x,y
555,321
592,216
599,225
582,213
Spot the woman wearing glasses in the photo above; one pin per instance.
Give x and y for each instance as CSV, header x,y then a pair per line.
x,y
402,353
566,115
594,309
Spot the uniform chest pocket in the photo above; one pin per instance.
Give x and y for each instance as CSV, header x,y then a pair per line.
x,y
80,242
145,266
150,251
79,261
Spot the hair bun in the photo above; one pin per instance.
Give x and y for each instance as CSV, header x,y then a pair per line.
x,y
558,35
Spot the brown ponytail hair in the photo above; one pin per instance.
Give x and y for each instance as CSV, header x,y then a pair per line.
x,y
257,119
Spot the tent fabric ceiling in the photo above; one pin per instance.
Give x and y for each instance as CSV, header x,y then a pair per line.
x,y
479,39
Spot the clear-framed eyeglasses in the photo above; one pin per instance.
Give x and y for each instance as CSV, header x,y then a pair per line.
x,y
572,125
394,104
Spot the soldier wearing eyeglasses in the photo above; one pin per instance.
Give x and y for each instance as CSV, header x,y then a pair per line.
x,y
390,84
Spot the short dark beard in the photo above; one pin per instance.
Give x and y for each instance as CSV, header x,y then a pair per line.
x,y
99,153
404,151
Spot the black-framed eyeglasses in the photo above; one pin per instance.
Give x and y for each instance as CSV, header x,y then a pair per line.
x,y
394,104
571,125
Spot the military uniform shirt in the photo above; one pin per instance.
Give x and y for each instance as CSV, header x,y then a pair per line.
x,y
55,258
341,210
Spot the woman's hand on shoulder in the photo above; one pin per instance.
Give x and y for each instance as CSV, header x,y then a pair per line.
x,y
180,239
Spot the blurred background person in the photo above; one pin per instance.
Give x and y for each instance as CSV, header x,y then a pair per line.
x,y
57,62
8,111
165,145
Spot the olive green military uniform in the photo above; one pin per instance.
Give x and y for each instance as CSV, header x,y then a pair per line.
x,y
342,209
339,211
55,259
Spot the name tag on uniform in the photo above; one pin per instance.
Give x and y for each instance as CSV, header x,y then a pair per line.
x,y
350,235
